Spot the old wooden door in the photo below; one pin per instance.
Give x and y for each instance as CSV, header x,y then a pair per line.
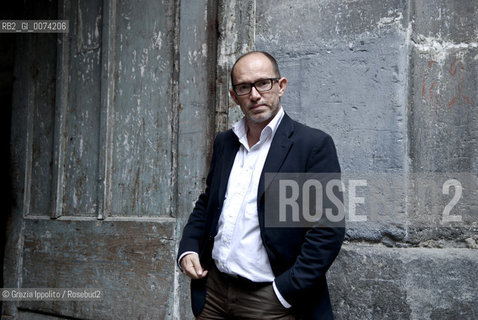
x,y
111,130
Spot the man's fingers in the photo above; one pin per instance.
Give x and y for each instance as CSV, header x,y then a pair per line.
x,y
196,264
192,266
187,265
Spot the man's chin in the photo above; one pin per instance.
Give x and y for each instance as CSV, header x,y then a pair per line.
x,y
261,117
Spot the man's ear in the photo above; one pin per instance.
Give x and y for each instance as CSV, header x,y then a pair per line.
x,y
282,86
233,96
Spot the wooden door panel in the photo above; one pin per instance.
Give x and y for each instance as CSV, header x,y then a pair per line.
x,y
142,126
132,262
113,125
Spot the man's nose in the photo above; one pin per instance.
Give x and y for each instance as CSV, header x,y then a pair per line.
x,y
255,94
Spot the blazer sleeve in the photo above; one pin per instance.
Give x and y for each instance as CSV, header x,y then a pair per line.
x,y
321,243
196,227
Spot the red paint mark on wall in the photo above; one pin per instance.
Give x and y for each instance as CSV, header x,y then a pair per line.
x,y
454,68
447,89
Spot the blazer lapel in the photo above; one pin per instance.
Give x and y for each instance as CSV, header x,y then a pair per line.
x,y
231,147
278,151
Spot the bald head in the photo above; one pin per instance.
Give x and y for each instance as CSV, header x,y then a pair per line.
x,y
272,60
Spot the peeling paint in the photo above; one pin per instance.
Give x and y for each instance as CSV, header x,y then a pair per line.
x,y
395,19
157,41
440,49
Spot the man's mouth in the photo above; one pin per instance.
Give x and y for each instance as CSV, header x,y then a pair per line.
x,y
256,106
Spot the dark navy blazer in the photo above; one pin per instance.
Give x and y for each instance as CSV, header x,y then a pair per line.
x,y
299,256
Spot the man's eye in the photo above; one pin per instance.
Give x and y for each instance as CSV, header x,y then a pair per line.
x,y
243,87
262,83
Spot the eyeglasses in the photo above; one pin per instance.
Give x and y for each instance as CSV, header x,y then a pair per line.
x,y
241,89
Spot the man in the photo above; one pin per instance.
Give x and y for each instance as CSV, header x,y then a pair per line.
x,y
240,267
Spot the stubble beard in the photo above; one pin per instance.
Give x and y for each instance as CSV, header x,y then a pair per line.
x,y
265,116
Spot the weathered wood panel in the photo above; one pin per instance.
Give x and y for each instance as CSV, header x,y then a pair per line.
x,y
40,92
82,113
131,261
141,169
123,135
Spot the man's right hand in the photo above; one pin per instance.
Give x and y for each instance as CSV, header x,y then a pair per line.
x,y
192,267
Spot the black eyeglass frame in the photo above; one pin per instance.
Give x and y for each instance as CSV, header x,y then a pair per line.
x,y
253,84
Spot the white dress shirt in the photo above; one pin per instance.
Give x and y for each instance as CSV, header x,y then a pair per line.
x,y
238,248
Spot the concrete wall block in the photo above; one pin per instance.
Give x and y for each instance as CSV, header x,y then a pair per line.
x,y
442,207
445,20
373,282
328,21
355,93
347,69
443,122
375,206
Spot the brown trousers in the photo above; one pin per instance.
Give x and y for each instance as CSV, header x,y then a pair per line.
x,y
238,298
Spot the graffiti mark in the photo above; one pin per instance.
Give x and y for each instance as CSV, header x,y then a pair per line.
x,y
444,90
453,71
425,80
